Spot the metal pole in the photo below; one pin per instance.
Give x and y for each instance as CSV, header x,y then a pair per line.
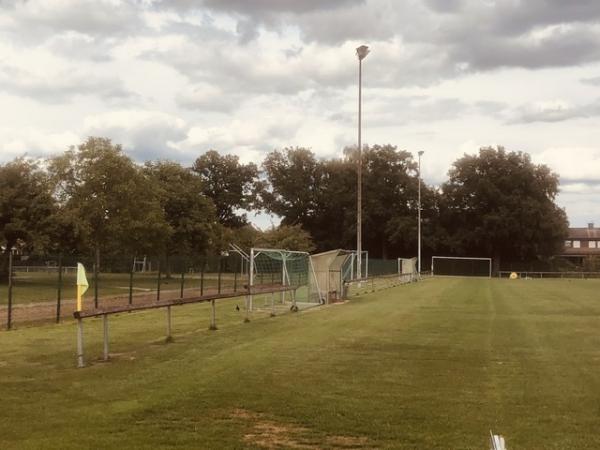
x,y
10,286
202,278
96,270
158,283
80,362
283,279
182,283
105,327
235,280
59,288
213,315
219,276
359,181
250,280
419,214
131,284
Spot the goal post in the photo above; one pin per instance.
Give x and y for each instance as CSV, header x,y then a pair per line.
x,y
461,266
286,268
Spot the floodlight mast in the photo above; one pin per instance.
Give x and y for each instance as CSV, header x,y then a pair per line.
x,y
419,216
361,53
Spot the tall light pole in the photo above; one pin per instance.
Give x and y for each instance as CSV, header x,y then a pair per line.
x,y
362,53
419,206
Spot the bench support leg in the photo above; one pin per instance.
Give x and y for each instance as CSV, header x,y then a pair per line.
x,y
80,362
169,337
213,315
105,326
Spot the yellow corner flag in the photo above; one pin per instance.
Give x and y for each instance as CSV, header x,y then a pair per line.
x,y
82,284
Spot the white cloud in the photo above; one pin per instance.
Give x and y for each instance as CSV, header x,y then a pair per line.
x,y
173,78
574,164
34,142
146,134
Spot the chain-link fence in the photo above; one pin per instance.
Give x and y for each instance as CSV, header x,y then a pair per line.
x,y
43,288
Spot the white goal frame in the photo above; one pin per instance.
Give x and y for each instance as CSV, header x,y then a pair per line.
x,y
473,258
285,277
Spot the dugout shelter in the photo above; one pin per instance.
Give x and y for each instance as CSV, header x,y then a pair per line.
x,y
332,268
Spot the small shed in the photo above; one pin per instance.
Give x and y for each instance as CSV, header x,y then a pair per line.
x,y
330,268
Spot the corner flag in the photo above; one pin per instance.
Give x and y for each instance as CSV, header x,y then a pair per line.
x,y
82,284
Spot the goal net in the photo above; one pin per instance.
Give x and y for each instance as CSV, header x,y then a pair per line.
x,y
271,268
461,266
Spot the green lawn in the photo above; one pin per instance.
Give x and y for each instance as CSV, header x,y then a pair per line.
x,y
430,365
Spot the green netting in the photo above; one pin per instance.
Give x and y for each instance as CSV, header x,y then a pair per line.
x,y
272,268
380,267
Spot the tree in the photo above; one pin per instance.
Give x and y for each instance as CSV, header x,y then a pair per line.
x,y
28,212
288,237
231,185
321,196
295,177
390,186
189,214
500,204
117,209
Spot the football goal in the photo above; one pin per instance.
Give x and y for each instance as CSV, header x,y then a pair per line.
x,y
461,266
277,267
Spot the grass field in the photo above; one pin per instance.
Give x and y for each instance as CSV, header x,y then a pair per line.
x,y
432,365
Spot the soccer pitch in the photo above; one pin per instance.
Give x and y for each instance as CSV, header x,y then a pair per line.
x,y
435,364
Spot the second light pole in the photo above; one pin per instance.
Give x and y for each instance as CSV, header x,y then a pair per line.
x,y
361,52
419,216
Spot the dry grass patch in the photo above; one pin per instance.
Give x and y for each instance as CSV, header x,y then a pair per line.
x,y
271,434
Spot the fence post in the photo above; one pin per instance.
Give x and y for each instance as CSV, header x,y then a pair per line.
x,y
10,286
59,288
131,282
158,283
202,279
219,276
235,280
182,283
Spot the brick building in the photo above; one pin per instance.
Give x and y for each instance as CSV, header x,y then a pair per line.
x,y
582,243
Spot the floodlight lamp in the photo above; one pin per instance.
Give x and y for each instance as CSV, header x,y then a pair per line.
x,y
362,52
421,152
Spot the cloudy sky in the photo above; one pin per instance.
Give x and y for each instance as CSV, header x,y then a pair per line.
x,y
174,78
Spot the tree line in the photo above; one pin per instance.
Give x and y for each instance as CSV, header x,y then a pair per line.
x,y
94,199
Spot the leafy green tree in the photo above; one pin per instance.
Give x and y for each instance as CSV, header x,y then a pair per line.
x,y
390,201
500,204
190,215
321,196
232,186
116,208
289,237
28,212
296,180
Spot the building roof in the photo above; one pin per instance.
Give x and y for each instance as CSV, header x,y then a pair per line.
x,y
584,233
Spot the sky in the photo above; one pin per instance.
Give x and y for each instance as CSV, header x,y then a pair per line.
x,y
170,79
